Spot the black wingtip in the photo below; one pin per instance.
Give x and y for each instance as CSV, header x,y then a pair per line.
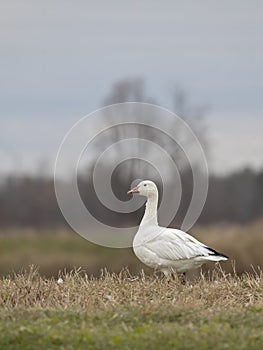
x,y
214,252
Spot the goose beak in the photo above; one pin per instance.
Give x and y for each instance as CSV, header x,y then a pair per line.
x,y
133,190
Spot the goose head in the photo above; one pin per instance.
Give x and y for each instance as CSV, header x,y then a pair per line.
x,y
145,188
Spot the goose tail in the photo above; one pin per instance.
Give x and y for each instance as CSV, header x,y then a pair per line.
x,y
213,255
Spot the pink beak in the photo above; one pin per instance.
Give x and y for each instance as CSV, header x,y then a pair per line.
x,y
133,190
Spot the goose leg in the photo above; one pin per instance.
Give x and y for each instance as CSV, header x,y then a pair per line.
x,y
182,278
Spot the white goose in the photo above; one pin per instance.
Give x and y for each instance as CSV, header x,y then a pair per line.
x,y
167,249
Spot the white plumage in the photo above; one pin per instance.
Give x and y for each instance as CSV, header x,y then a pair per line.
x,y
167,249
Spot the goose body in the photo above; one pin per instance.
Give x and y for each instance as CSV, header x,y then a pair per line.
x,y
167,249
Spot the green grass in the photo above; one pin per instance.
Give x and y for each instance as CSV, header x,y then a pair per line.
x,y
133,328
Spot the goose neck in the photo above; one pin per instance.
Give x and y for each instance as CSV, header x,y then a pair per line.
x,y
150,215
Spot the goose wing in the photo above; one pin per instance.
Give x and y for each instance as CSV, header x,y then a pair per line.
x,y
173,244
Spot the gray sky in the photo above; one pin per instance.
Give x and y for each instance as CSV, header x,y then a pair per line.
x,y
60,58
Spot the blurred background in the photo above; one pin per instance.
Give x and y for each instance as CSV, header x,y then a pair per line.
x,y
63,60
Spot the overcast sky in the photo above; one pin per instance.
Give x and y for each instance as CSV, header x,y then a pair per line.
x,y
58,59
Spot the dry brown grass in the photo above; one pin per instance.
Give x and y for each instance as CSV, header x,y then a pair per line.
x,y
242,243
80,291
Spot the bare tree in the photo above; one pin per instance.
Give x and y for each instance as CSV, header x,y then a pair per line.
x,y
128,90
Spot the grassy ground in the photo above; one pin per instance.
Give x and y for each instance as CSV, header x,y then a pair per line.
x,y
53,250
121,311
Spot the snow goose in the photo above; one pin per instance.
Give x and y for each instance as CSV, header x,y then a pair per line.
x,y
167,249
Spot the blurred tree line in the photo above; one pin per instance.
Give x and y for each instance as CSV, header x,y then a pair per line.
x,y
31,201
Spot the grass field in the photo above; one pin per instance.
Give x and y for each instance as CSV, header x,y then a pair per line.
x,y
95,309
121,311
53,250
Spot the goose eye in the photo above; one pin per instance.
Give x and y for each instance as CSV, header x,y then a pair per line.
x,y
145,185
